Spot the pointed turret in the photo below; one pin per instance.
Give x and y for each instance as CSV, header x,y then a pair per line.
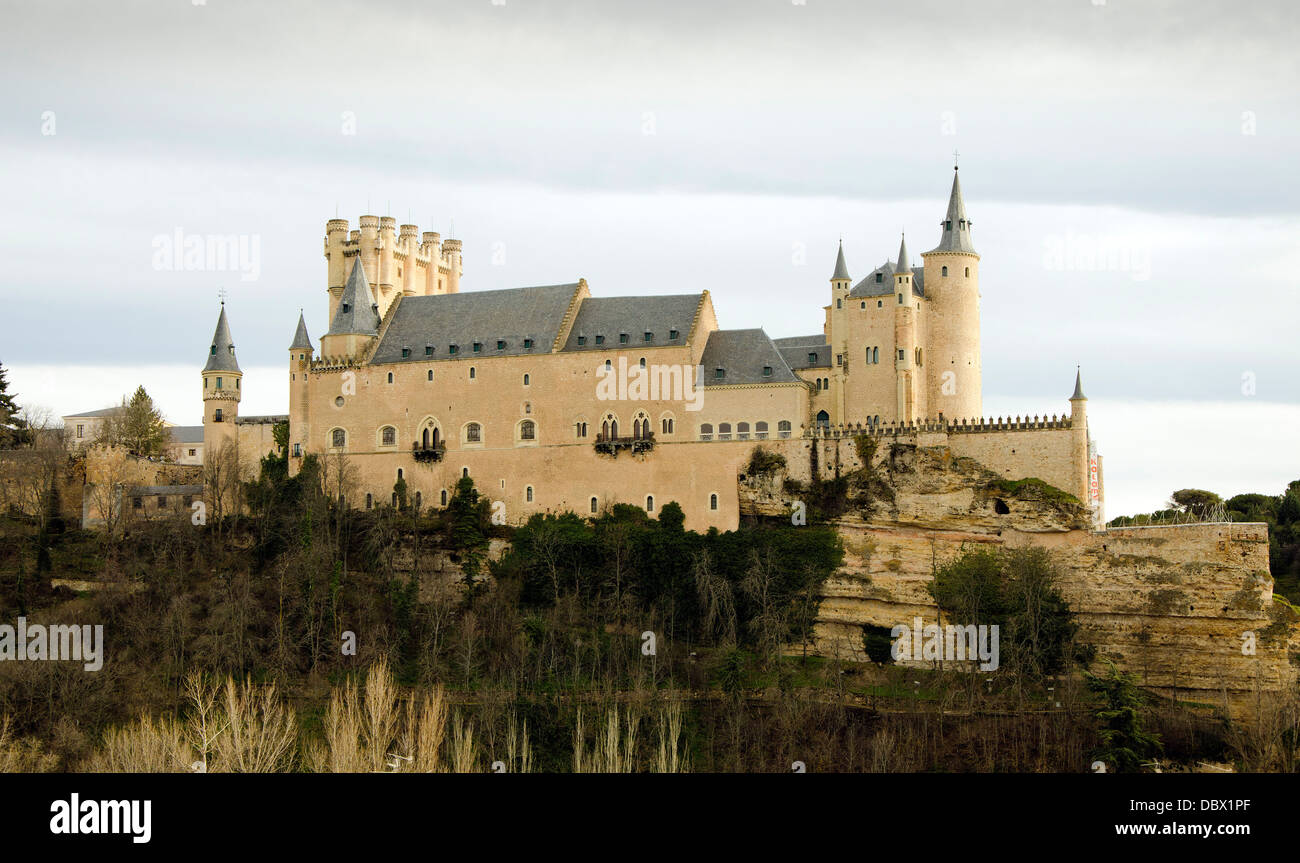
x,y
956,227
357,312
841,268
904,262
221,354
1078,386
301,341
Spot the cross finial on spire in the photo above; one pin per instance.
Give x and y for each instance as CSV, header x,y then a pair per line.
x,y
954,159
221,295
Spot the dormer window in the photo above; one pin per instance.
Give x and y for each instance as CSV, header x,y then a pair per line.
x,y
453,349
719,374
528,344
649,336
501,344
428,350
880,278
947,226
672,334
406,352
767,371
622,338
600,340
214,350
478,346
812,359
347,308
582,340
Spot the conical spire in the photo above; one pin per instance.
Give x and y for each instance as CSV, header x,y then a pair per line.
x,y
956,227
301,341
904,265
357,312
221,355
841,268
1078,385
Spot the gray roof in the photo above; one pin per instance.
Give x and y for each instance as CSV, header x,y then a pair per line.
x,y
102,412
186,434
742,355
271,419
635,316
841,268
486,317
956,227
357,311
301,341
869,287
1078,386
221,354
904,262
795,351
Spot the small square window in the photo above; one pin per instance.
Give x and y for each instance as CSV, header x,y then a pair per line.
x,y
478,346
501,345
649,337
428,350
880,277
672,334
767,371
600,340
582,340
719,373
622,338
453,349
528,344
406,352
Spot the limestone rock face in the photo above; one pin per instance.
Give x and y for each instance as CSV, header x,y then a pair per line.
x,y
1188,609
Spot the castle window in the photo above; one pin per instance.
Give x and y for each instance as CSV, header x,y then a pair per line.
x,y
453,349
406,352
430,374
783,429
388,436
666,425
137,502
918,356
501,345
478,346
399,473
742,431
608,366
945,271
579,429
880,304
968,272
706,431
162,502
528,494
900,299
672,334
812,359
187,501
593,504
713,501
902,354
649,336
947,225
464,472
81,428
370,500
767,371
218,383
418,499
760,430
582,340
839,359
719,374
875,355
237,380
338,438
297,450
527,379
528,344
205,383
443,497
528,430
390,377
643,362
724,431
473,433
880,278
347,307
428,350
471,373
839,304
622,338
600,340
864,304
216,415
214,350
649,503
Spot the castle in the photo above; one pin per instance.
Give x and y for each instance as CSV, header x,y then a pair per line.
x,y
553,399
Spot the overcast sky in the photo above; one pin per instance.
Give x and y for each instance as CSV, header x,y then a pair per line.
x,y
673,147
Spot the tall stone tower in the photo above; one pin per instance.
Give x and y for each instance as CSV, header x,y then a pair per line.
x,y
837,331
300,355
222,388
953,371
908,390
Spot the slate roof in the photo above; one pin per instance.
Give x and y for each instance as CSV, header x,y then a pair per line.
x,y
841,268
301,341
868,287
357,311
635,316
956,235
221,354
742,355
186,434
102,412
1078,386
486,317
795,350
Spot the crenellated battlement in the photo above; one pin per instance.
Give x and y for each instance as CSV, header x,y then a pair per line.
x,y
940,426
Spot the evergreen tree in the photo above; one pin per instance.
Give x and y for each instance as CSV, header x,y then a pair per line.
x,y
136,425
13,429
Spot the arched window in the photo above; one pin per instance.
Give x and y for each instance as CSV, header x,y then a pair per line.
x,y
594,504
473,433
724,431
527,430
742,431
443,497
527,380
608,366
370,501
666,425
918,356
388,436
399,473
528,494
945,272
464,472
390,377
968,272
338,438
783,429
471,373
430,374
418,499
823,419
875,354
650,503
760,430
706,431
713,501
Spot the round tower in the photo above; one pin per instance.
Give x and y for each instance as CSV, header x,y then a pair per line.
x,y
953,366
300,356
222,388
910,403
1079,438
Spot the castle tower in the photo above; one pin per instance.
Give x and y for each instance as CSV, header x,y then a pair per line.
x,y
910,404
452,259
1079,454
838,332
355,324
336,239
300,352
222,379
953,370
